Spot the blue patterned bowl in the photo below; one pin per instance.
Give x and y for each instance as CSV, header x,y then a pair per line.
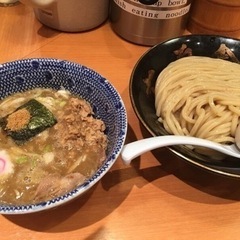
x,y
106,102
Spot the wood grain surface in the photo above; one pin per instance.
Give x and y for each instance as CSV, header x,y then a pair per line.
x,y
158,197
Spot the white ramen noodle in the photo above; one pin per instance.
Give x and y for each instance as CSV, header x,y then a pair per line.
x,y
199,96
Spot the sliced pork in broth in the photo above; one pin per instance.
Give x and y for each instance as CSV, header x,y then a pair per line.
x,y
55,160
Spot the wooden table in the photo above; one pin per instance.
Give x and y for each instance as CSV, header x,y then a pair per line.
x,y
158,197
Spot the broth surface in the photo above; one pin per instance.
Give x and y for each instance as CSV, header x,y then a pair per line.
x,y
56,160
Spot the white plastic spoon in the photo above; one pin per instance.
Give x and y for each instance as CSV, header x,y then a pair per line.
x,y
135,149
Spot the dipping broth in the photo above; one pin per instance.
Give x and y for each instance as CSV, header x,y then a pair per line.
x,y
60,153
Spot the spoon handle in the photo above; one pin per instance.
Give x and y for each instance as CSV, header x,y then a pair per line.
x,y
135,149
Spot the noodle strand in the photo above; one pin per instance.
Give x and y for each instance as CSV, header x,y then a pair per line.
x,y
199,96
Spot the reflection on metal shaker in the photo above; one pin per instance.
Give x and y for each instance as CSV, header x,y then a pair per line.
x,y
148,22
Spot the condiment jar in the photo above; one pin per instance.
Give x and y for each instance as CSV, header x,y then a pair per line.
x,y
219,17
70,15
149,22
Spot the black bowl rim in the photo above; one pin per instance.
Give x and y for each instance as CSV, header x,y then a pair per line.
x,y
209,167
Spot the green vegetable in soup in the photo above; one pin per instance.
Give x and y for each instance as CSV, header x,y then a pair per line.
x,y
21,159
27,121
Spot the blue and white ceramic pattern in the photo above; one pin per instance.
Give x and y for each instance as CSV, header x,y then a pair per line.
x,y
22,75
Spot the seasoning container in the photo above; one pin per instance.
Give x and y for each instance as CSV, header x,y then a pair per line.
x,y
148,22
70,15
221,17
